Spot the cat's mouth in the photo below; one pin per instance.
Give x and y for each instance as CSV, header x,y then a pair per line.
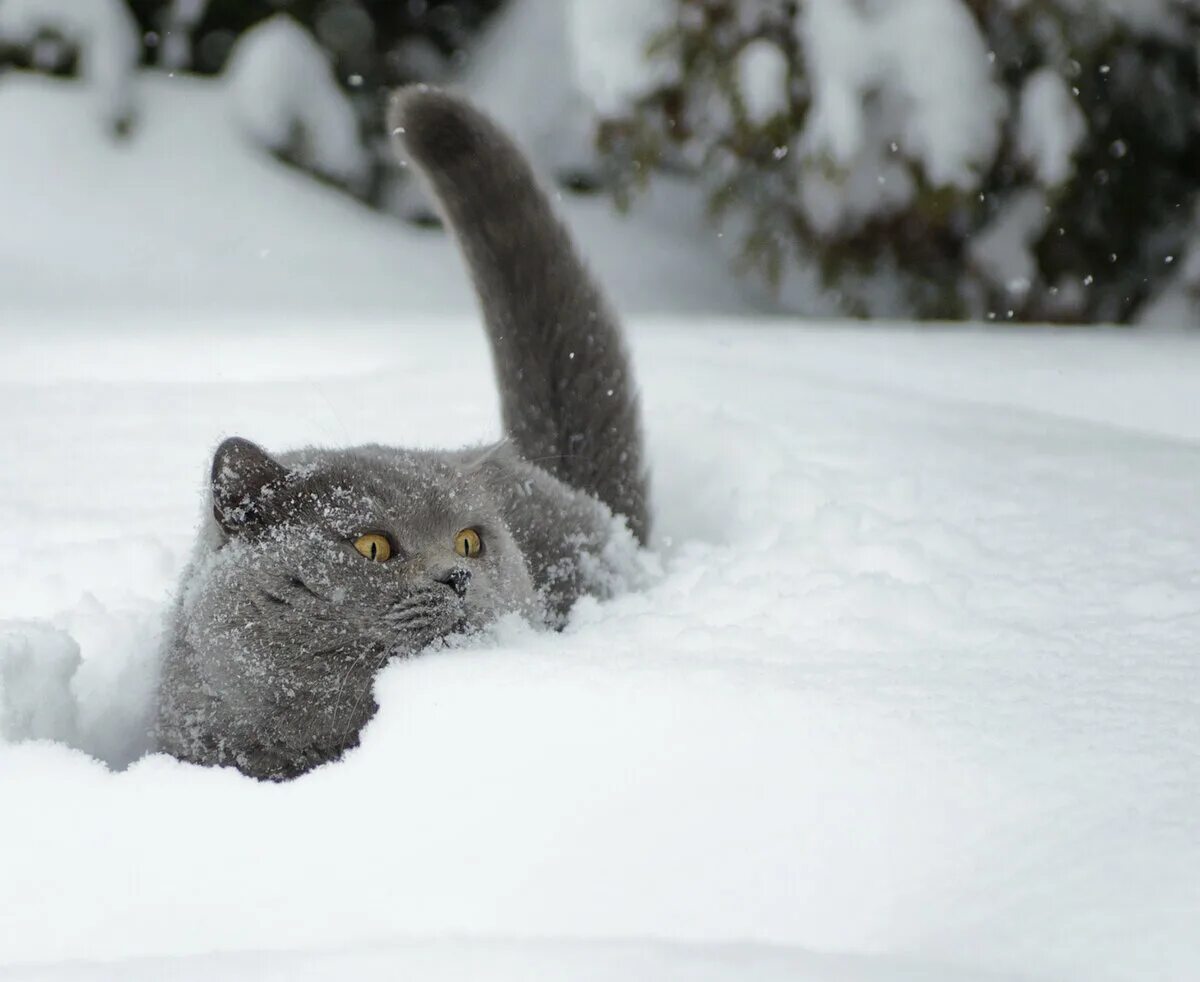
x,y
416,622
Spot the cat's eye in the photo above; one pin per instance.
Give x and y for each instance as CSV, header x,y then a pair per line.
x,y
467,543
374,547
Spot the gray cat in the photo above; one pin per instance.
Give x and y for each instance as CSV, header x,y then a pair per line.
x,y
317,566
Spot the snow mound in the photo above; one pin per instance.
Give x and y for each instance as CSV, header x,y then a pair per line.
x,y
285,98
927,61
1051,127
261,240
101,705
107,36
37,663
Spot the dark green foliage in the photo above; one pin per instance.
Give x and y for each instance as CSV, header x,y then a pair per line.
x,y
1109,232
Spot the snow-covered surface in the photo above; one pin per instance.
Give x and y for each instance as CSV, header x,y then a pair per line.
x,y
284,96
104,30
186,217
918,678
913,691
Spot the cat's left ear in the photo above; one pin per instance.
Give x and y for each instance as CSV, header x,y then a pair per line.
x,y
243,475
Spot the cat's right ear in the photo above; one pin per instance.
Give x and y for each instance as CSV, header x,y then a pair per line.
x,y
243,476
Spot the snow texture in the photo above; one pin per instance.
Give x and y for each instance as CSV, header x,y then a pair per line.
x,y
547,69
917,679
522,72
608,44
927,63
762,79
255,250
1003,251
175,44
285,98
107,37
1050,128
912,692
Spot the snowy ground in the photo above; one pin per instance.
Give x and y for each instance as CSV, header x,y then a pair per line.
x,y
913,691
147,223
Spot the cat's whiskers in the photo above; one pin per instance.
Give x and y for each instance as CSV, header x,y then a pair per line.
x,y
366,688
337,698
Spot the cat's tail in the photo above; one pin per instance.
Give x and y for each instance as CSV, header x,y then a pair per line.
x,y
567,393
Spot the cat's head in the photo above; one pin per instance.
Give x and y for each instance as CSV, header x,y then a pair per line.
x,y
320,565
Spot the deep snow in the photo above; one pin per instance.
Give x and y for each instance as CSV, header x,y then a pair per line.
x,y
918,676
183,219
913,691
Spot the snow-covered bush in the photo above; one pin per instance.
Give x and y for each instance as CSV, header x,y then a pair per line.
x,y
1023,160
285,97
102,33
369,47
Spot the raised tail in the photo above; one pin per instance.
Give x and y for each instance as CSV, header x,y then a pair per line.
x,y
567,394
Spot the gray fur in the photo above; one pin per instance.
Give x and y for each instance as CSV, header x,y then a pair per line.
x,y
281,625
567,396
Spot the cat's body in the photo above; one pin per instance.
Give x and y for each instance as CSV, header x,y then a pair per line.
x,y
287,609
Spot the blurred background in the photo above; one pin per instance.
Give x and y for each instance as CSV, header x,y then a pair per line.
x,y
965,160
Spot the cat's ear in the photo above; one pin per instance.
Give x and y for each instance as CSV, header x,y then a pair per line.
x,y
243,474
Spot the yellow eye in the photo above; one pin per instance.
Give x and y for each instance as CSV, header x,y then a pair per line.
x,y
374,547
467,543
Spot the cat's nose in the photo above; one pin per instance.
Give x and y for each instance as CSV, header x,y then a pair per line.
x,y
458,579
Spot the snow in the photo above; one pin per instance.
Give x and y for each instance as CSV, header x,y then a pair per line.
x,y
1050,127
608,44
763,77
1003,251
175,44
547,69
181,256
37,663
912,693
285,98
523,73
927,62
108,39
917,680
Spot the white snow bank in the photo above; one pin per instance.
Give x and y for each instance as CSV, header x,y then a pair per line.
x,y
37,663
286,99
195,220
107,36
917,681
465,960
